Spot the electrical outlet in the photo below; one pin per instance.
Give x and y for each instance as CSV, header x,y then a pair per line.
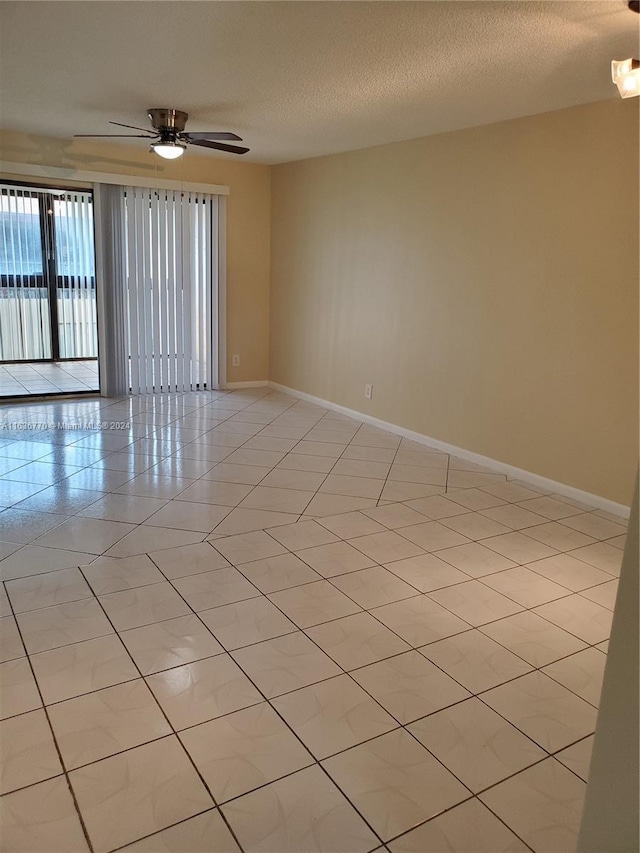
x,y
368,391
235,361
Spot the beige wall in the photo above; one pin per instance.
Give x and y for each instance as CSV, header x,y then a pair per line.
x,y
248,224
485,281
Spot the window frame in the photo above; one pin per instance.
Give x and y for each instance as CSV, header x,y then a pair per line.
x,y
49,279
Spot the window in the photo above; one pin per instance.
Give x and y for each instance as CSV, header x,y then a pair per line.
x,y
47,276
20,248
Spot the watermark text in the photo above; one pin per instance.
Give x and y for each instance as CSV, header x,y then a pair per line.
x,y
38,426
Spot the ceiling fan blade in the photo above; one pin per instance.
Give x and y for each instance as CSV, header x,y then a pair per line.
x,y
212,135
133,127
220,146
111,136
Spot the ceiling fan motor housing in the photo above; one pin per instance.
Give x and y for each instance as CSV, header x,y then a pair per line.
x,y
164,119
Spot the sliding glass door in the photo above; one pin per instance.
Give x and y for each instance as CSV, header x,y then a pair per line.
x,y
74,275
47,275
25,325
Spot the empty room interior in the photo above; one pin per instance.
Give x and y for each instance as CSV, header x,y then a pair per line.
x,y
319,426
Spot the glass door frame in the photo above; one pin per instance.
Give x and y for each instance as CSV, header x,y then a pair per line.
x,y
49,278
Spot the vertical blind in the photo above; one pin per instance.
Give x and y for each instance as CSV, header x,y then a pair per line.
x,y
170,241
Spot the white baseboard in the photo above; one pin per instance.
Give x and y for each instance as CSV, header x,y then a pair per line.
x,y
234,386
587,498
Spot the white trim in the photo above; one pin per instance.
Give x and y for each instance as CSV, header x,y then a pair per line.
x,y
500,467
258,383
69,174
100,295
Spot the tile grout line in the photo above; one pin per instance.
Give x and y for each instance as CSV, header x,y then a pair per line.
x,y
318,761
131,478
173,732
55,740
329,580
402,725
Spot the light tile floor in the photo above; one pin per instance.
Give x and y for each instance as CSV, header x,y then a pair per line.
x,y
35,378
237,621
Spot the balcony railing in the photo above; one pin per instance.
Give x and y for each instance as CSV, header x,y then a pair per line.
x,y
25,323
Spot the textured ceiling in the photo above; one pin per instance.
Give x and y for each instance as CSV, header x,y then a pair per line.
x,y
300,79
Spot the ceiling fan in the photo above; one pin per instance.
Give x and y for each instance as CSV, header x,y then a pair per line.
x,y
168,135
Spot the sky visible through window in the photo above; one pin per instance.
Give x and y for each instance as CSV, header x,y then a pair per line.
x,y
21,251
20,244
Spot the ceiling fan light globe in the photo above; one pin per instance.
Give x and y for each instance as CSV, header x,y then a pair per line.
x,y
169,150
